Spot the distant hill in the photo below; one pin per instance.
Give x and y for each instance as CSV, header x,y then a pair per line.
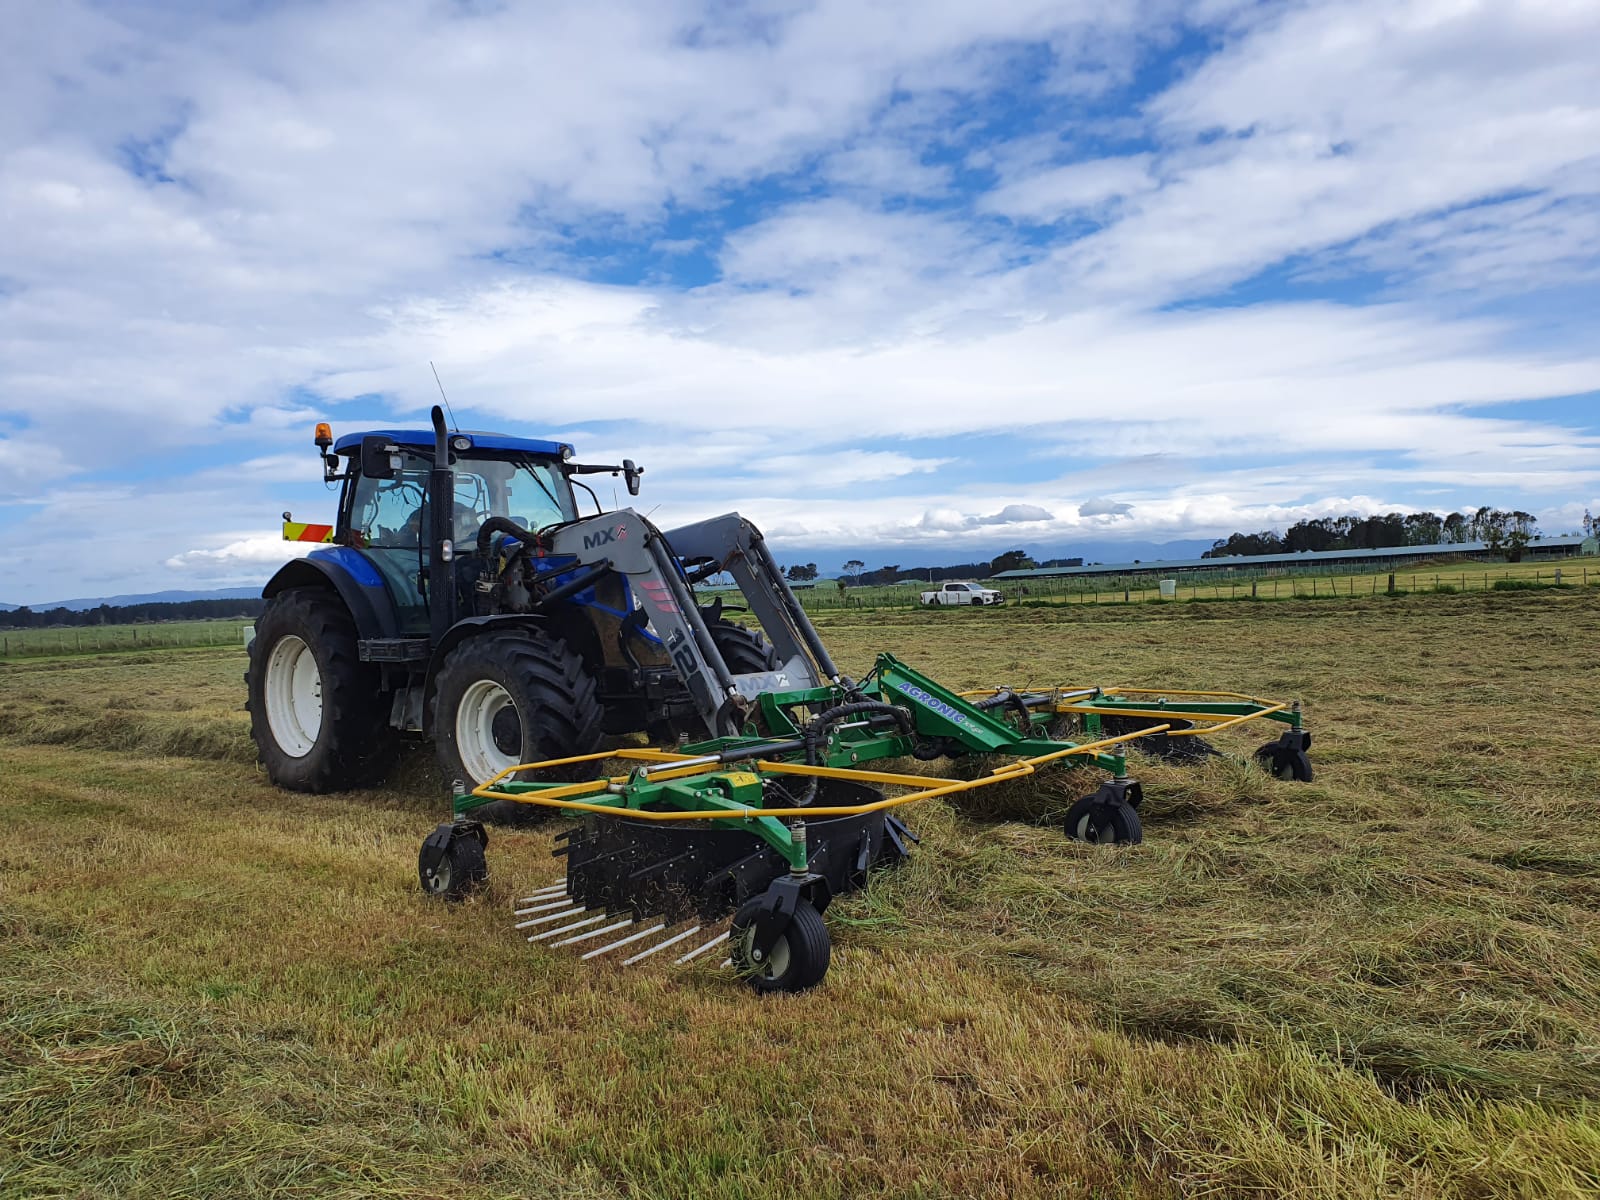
x,y
172,597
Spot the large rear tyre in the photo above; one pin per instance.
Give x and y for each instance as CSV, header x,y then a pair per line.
x,y
510,697
317,716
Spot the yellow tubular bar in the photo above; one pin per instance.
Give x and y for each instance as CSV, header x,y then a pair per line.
x,y
1223,721
1126,691
556,797
1132,691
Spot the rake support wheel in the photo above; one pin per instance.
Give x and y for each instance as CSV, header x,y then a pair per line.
x,y
1287,757
779,943
451,863
1109,817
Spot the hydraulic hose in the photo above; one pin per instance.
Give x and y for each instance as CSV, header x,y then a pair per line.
x,y
503,525
815,734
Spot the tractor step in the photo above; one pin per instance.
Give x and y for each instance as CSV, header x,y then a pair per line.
x,y
551,917
393,649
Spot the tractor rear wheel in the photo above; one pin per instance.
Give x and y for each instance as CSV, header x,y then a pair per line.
x,y
317,714
510,697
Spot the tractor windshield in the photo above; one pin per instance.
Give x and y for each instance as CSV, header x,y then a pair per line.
x,y
532,492
390,514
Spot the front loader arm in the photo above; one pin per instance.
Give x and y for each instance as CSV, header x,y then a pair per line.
x,y
635,550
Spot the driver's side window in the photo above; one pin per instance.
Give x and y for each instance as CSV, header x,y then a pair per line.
x,y
387,513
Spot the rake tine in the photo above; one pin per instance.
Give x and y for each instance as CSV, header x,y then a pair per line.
x,y
583,937
726,963
546,907
693,954
675,938
550,933
571,912
632,937
542,893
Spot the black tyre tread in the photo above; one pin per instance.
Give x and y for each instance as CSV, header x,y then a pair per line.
x,y
744,650
1288,765
356,744
810,948
1131,833
566,716
469,868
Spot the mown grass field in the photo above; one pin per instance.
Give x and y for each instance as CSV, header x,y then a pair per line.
x,y
1385,983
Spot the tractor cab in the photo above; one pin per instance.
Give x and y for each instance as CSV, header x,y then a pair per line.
x,y
385,506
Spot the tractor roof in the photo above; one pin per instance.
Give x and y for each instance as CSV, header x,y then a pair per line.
x,y
422,439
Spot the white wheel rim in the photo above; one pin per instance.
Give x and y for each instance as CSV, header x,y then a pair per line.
x,y
294,696
480,704
777,961
1102,833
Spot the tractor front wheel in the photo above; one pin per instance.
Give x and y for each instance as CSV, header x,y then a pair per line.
x,y
317,715
511,697
744,650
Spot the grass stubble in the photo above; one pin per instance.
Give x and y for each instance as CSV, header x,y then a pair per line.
x,y
1383,983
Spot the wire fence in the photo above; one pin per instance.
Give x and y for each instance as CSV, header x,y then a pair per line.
x,y
93,639
1146,589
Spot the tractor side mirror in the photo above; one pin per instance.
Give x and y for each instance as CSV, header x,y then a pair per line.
x,y
631,473
380,458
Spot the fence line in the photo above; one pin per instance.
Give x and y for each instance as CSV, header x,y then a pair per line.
x,y
1146,589
90,639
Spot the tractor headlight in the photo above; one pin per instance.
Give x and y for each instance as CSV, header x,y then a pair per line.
x,y
461,442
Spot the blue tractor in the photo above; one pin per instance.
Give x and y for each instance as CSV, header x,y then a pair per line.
x,y
463,596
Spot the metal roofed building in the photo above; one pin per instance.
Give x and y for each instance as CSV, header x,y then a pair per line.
x,y
1539,548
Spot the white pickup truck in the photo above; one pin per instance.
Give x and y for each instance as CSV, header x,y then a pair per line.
x,y
963,593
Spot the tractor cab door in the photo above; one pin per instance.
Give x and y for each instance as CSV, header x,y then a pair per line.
x,y
386,519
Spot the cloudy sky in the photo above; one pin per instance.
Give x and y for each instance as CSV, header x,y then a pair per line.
x,y
899,280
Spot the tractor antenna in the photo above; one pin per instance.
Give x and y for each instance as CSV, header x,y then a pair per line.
x,y
443,397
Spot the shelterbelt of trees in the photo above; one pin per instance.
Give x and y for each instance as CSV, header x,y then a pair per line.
x,y
1503,532
131,614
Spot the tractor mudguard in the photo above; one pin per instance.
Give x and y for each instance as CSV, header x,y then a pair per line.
x,y
350,575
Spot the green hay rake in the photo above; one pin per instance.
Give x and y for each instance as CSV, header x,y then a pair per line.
x,y
770,825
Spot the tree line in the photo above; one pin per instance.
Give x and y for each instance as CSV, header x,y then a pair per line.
x,y
1503,532
131,614
856,573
